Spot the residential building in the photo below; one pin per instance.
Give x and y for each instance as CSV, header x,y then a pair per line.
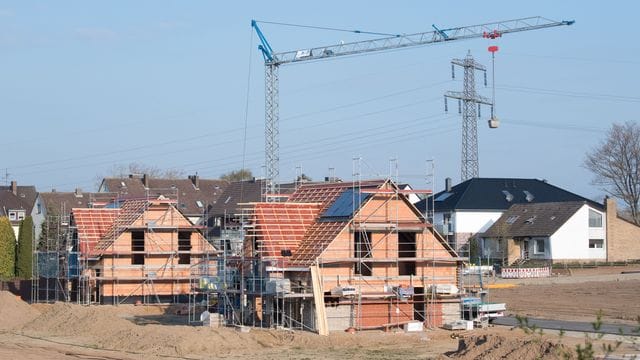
x,y
623,235
17,202
195,196
376,257
551,232
142,250
463,211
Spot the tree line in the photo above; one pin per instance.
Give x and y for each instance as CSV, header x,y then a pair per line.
x,y
16,256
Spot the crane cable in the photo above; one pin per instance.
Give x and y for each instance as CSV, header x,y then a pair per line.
x,y
328,28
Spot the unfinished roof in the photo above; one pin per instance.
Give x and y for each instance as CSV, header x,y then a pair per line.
x,y
128,212
323,231
282,226
327,193
499,194
527,220
92,225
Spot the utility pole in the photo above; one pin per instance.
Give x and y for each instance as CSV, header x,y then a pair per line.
x,y
469,102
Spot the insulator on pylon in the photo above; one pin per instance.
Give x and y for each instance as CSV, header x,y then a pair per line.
x,y
453,71
479,107
485,78
459,106
446,108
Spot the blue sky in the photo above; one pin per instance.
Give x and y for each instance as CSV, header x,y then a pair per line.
x,y
85,86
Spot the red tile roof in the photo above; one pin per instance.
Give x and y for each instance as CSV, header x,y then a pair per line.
x,y
321,233
127,214
327,193
92,224
282,226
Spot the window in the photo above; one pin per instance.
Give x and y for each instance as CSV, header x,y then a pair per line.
x,y
199,204
407,249
595,219
39,208
184,247
137,248
362,250
538,246
507,195
596,243
528,196
512,219
21,215
13,215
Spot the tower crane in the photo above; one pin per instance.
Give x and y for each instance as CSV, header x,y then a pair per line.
x,y
273,61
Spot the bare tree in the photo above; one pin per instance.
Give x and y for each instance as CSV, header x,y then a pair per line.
x,y
150,170
237,175
616,165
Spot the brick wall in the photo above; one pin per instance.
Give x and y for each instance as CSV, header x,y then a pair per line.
x,y
623,237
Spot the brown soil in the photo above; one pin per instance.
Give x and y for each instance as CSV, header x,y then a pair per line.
x,y
69,331
491,347
14,312
618,300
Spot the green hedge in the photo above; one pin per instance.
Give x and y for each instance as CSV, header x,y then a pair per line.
x,y
7,249
24,250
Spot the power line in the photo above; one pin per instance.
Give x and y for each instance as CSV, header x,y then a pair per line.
x,y
576,94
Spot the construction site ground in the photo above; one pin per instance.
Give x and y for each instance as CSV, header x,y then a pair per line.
x,y
69,331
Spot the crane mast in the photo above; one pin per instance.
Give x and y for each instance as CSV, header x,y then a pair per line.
x,y
273,60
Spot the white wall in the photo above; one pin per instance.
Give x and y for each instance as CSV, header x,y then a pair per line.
x,y
474,222
37,217
571,241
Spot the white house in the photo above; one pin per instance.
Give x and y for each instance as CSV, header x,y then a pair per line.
x,y
558,231
464,211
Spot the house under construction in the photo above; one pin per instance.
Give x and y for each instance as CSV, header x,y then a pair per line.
x,y
131,250
335,256
330,256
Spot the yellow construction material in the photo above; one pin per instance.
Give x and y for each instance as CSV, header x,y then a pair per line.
x,y
318,296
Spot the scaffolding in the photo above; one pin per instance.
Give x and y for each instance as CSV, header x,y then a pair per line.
x,y
377,262
87,259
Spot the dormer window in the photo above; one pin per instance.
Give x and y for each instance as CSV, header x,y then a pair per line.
x,y
507,195
16,215
199,204
528,196
512,219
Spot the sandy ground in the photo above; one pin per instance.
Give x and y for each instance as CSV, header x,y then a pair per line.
x,y
579,296
66,331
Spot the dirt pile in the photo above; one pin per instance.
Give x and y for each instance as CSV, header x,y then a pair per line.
x,y
14,312
111,327
492,347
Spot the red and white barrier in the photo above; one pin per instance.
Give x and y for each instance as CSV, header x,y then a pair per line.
x,y
523,273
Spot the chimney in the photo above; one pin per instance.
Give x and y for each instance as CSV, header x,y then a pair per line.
x,y
610,206
195,179
78,192
14,187
447,184
145,181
